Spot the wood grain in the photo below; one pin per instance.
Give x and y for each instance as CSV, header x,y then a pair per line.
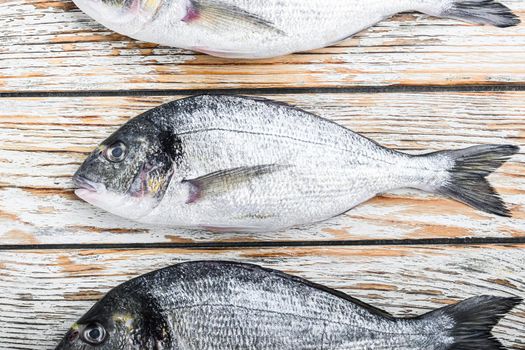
x,y
50,45
44,140
43,292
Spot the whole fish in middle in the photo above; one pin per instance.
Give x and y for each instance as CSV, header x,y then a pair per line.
x,y
224,162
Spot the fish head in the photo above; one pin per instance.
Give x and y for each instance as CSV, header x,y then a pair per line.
x,y
123,16
130,171
117,322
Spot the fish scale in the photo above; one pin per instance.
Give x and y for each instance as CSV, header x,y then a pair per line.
x,y
230,307
290,136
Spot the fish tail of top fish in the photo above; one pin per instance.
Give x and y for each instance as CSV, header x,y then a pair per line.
x,y
473,11
462,175
468,324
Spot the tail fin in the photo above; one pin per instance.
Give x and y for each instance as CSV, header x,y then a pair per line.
x,y
467,181
473,320
477,11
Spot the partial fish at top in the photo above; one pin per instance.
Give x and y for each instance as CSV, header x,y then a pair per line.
x,y
244,164
269,28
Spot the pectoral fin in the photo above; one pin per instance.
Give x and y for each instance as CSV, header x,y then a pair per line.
x,y
221,16
223,181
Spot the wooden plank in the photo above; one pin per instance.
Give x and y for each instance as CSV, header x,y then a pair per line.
x,y
43,292
51,46
43,141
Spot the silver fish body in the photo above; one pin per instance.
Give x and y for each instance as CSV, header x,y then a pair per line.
x,y
217,305
268,28
236,163
320,168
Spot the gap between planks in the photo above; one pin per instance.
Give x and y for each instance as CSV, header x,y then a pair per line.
x,y
491,241
272,91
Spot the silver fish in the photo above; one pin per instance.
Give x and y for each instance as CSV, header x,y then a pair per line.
x,y
213,305
269,28
236,163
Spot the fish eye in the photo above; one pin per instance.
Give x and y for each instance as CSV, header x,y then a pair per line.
x,y
94,334
116,152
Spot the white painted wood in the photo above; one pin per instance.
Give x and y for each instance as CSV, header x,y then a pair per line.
x,y
43,292
44,140
50,45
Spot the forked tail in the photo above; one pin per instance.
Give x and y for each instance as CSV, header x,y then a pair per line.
x,y
465,176
470,322
473,11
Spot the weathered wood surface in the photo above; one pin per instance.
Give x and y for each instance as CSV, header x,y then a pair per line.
x,y
43,141
43,292
50,45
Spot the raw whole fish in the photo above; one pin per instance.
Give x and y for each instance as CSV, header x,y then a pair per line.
x,y
217,305
224,162
269,28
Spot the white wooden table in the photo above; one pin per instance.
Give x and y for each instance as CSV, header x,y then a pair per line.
x,y
415,83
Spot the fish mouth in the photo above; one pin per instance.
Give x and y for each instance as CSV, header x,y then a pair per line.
x,y
89,190
82,183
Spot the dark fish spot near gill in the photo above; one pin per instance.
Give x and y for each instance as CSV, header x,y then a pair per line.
x,y
155,326
171,144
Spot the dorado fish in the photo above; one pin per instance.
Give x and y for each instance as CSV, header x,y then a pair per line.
x,y
213,305
245,164
269,28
